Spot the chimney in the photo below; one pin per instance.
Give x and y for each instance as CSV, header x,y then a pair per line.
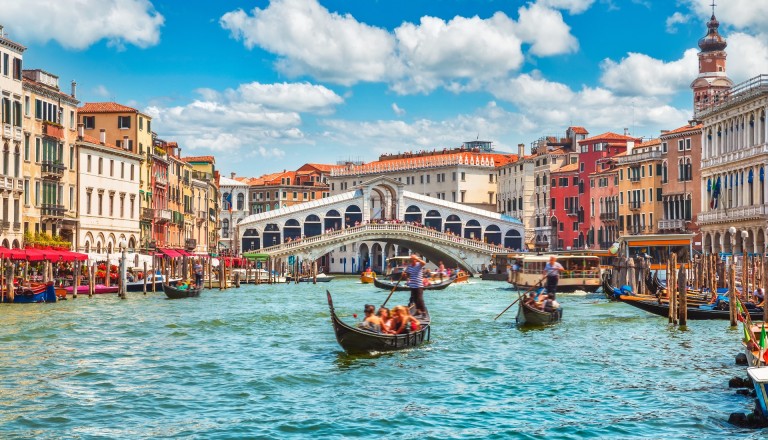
x,y
233,175
80,131
630,146
103,136
74,89
126,144
520,150
626,132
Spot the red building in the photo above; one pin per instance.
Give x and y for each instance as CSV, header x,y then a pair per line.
x,y
565,210
591,151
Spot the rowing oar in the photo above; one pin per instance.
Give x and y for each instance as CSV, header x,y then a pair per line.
x,y
518,298
391,292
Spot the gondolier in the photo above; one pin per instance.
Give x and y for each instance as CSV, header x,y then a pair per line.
x,y
416,283
198,268
552,272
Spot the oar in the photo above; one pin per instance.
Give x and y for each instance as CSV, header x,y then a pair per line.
x,y
518,298
391,292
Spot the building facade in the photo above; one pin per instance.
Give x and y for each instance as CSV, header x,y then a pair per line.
x,y
234,207
640,176
204,201
11,56
604,204
287,188
108,196
516,191
681,192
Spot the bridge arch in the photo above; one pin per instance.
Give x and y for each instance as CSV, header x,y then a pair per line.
x,y
291,229
352,214
251,240
473,230
413,214
312,226
377,257
332,220
513,240
493,234
434,219
453,224
364,253
272,235
378,195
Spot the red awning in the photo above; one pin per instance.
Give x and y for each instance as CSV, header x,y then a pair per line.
x,y
170,253
34,255
66,256
183,253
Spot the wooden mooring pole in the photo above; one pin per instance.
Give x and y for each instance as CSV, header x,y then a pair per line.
x,y
732,291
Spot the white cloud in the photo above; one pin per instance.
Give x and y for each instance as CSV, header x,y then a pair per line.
x,y
398,111
640,74
457,54
102,91
572,6
387,136
545,29
740,14
311,40
747,56
120,22
675,19
245,117
557,105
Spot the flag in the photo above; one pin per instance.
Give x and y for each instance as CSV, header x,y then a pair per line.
x,y
228,199
740,314
747,336
762,345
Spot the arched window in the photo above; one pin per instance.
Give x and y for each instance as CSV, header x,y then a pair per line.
x,y
240,201
225,228
664,172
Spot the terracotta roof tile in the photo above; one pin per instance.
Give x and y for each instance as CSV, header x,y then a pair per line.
x,y
609,136
683,129
207,159
469,158
567,168
322,166
106,107
579,130
649,143
96,141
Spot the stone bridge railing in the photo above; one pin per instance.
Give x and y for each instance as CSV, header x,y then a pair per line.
x,y
372,231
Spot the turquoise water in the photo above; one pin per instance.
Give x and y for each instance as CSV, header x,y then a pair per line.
x,y
262,362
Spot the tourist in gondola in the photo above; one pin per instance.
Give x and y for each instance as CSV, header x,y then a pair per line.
x,y
552,272
759,296
386,320
416,283
371,321
403,321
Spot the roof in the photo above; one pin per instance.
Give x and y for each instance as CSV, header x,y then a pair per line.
x,y
226,181
649,143
206,159
320,166
106,107
683,129
418,162
93,140
609,136
567,168
579,130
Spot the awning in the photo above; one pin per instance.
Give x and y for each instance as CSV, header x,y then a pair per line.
x,y
184,253
170,253
34,255
13,254
66,256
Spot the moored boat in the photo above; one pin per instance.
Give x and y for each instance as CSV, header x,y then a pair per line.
x,y
532,316
582,272
177,293
702,312
367,277
138,286
34,293
357,341
321,278
98,289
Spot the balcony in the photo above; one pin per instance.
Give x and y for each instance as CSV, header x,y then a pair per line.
x,y
733,214
7,183
634,206
52,169
608,217
19,186
638,157
190,244
147,214
161,180
16,226
634,179
5,224
672,225
7,131
541,243
51,210
572,212
17,134
202,216
53,130
162,215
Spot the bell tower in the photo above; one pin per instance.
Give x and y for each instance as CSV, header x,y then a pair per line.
x,y
712,82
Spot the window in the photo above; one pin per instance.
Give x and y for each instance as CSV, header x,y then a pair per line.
x,y
122,170
111,169
26,106
131,213
71,157
453,176
26,192
131,172
463,176
122,206
88,202
89,122
663,147
26,147
37,193
680,145
37,150
123,122
141,123
101,203
71,119
101,167
688,144
17,68
111,205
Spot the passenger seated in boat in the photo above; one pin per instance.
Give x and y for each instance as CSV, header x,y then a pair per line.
x,y
372,323
386,320
402,321
547,303
759,296
530,300
183,285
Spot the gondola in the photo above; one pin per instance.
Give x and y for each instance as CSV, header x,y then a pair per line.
x,y
320,278
358,341
694,313
403,287
527,315
35,293
174,293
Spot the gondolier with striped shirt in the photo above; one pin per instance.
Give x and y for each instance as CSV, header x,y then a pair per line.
x,y
416,283
552,272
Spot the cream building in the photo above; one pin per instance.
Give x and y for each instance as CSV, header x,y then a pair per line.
x,y
11,184
516,191
50,158
108,194
234,193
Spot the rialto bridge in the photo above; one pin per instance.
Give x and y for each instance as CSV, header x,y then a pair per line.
x,y
377,220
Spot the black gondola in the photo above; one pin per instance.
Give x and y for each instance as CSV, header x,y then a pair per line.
x,y
527,315
174,293
694,313
356,341
403,287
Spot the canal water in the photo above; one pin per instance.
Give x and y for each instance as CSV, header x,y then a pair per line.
x,y
262,362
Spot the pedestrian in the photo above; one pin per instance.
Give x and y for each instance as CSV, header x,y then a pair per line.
x,y
416,283
198,268
552,272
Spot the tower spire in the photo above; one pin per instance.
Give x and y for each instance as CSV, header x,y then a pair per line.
x,y
713,7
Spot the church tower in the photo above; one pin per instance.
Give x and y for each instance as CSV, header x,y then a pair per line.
x,y
712,82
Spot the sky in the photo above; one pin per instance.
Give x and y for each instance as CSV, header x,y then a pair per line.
x,y
270,85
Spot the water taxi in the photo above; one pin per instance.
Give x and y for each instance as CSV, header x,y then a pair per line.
x,y
582,272
368,276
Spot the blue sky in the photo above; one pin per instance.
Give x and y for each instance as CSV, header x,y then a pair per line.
x,y
268,85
